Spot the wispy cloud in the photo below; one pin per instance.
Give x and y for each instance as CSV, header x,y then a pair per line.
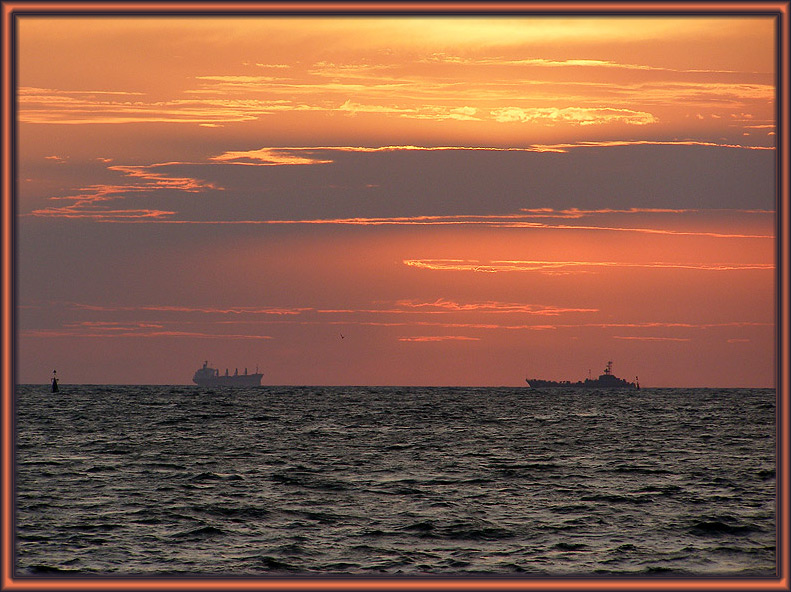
x,y
353,108
575,115
232,310
89,201
612,143
115,325
554,63
541,326
675,325
581,213
399,307
84,208
241,80
554,267
215,104
161,180
267,157
305,155
414,317
427,97
32,91
645,338
494,89
67,107
445,306
698,93
505,221
434,338
112,333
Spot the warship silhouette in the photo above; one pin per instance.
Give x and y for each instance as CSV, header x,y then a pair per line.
x,y
605,380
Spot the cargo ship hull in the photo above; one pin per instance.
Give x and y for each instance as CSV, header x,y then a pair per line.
x,y
211,377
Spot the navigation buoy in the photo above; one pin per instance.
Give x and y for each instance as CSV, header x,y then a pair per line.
x,y
54,381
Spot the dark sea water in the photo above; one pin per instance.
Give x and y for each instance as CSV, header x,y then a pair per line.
x,y
159,480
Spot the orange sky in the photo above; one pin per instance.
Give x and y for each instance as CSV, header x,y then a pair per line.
x,y
468,200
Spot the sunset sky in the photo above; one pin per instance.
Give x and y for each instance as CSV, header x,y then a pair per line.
x,y
468,200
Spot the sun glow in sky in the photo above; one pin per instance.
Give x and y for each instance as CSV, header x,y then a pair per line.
x,y
468,200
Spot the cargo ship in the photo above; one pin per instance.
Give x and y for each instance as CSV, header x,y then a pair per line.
x,y
606,380
207,376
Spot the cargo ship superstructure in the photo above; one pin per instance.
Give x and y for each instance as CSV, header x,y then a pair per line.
x,y
208,376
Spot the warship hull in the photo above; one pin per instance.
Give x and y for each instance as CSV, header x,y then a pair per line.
x,y
583,384
605,381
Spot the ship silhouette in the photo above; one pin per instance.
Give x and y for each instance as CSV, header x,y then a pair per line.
x,y
605,380
208,376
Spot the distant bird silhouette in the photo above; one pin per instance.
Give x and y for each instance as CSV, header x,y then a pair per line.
x,y
342,337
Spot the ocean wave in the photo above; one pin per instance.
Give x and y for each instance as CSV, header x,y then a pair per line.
x,y
238,513
459,529
202,533
269,563
317,516
766,474
564,546
524,469
101,469
661,489
717,527
92,527
640,470
209,476
395,482
309,481
618,498
42,569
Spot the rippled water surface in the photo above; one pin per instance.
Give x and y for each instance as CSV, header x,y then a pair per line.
x,y
153,480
